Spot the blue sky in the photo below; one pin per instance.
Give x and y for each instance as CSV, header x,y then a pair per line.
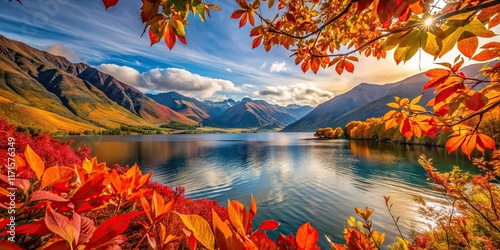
x,y
216,63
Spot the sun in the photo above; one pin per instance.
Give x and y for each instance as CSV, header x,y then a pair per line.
x,y
428,21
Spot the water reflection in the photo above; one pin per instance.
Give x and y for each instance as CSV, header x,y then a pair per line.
x,y
292,178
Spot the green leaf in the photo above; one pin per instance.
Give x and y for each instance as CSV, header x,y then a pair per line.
x,y
408,47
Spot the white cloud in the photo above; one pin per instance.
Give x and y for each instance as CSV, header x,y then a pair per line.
x,y
302,94
172,79
60,50
278,67
229,70
263,66
125,74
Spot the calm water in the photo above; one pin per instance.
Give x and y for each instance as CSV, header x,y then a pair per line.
x,y
292,178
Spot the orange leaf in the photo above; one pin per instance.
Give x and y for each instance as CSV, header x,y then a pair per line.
x,y
356,240
251,214
485,55
349,67
445,93
238,216
307,237
256,42
59,224
484,141
315,64
468,145
243,19
226,238
34,161
56,175
454,142
251,20
200,228
169,37
340,67
467,44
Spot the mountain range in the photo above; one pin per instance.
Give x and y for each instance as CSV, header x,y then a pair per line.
x,y
48,92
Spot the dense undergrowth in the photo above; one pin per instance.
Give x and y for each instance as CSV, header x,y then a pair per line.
x,y
66,200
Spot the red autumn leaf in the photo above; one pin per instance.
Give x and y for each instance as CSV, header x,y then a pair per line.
x,y
475,102
109,3
111,228
182,39
263,242
238,13
269,225
153,37
286,242
192,242
307,237
36,228
445,93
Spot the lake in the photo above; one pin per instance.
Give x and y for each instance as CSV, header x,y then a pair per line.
x,y
294,179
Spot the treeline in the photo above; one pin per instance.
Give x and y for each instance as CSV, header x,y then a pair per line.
x,y
374,129
180,126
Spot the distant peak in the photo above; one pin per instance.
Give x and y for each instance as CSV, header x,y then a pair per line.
x,y
246,99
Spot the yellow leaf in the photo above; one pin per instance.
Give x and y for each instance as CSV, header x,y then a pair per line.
x,y
178,27
200,228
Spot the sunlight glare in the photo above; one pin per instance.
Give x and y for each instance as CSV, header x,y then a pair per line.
x,y
428,21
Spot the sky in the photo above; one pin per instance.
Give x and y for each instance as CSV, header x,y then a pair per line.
x,y
217,63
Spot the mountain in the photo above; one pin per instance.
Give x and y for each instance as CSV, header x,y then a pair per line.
x,y
220,107
71,96
366,101
324,114
246,113
254,114
295,110
189,107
